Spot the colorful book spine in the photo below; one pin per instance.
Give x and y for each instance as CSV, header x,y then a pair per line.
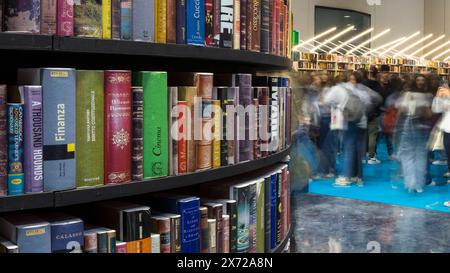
x,y
273,210
16,177
274,114
111,241
283,203
90,242
88,18
188,94
285,28
22,16
173,130
64,18
276,27
267,217
181,22
3,141
171,25
255,138
204,84
212,226
237,25
126,19
226,234
254,25
245,149
215,211
260,221
90,128
118,127
144,21
33,139
209,22
121,247
156,147
182,149
115,19
216,23
271,26
243,18
217,134
226,23
265,25
253,218
232,212
48,17
242,194
222,97
279,207
204,230
195,25
161,226
102,242
106,19
280,25
161,21
156,243
137,169
67,236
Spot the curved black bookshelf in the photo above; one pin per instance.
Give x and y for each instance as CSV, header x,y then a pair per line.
x,y
280,248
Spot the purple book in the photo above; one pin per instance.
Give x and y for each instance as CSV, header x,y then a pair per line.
x,y
3,142
33,138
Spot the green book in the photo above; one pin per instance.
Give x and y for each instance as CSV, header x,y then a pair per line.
x,y
260,210
89,130
156,122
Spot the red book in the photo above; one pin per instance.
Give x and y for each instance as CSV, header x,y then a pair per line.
x,y
280,27
182,143
216,21
118,126
64,18
274,30
209,23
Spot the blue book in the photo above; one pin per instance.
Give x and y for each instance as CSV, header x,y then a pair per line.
x,y
253,217
241,193
273,210
30,233
195,22
143,20
126,20
58,95
188,209
16,174
181,22
66,232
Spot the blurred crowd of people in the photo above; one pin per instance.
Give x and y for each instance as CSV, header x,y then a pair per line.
x,y
355,112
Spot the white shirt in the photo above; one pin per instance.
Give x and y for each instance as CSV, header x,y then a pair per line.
x,y
442,105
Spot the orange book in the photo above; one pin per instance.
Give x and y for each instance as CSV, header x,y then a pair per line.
x,y
141,246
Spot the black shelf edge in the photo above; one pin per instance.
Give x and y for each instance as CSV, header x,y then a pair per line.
x,y
89,195
23,41
280,248
26,202
173,51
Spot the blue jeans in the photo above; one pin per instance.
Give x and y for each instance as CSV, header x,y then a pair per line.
x,y
354,147
328,144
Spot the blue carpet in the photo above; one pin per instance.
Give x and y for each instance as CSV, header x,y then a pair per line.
x,y
383,184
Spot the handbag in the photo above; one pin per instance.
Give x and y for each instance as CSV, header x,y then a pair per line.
x,y
436,141
337,119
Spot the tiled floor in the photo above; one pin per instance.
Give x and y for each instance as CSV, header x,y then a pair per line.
x,y
324,224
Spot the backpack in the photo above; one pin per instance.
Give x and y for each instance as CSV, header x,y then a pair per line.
x,y
390,119
354,108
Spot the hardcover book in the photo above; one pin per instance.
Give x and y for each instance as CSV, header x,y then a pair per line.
x,y
48,17
254,25
226,23
261,90
33,139
215,211
253,217
231,210
204,230
181,21
90,241
64,18
272,35
243,19
175,231
174,129
245,149
274,114
226,234
90,128
137,168
16,176
237,25
279,207
204,84
161,226
273,210
88,18
161,21
121,247
126,19
106,19
267,216
3,141
118,126
265,25
144,20
171,24
217,8
156,243
5,245
182,148
115,19
241,193
111,241
30,233
22,16
188,94
212,244
260,221
195,25
209,22
217,133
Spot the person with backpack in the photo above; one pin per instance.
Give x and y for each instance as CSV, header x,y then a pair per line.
x,y
354,101
390,114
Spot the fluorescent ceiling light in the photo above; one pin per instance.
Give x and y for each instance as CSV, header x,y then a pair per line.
x,y
383,46
351,40
440,55
327,41
435,50
368,41
315,38
428,45
400,43
413,45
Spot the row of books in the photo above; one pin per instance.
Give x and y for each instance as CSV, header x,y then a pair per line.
x,y
245,215
255,25
64,128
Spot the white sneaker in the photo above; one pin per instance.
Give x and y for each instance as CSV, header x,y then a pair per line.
x,y
373,161
439,163
343,182
419,191
447,175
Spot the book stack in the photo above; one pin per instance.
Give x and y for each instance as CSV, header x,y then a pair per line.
x,y
249,214
255,25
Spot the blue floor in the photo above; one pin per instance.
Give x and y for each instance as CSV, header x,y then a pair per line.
x,y
383,184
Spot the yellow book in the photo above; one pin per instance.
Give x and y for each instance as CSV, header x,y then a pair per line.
x,y
106,18
217,134
160,21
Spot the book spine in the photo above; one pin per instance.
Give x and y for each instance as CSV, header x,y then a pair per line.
x,y
209,23
243,20
177,235
243,219
216,25
226,23
218,213
274,115
156,243
255,137
204,84
232,212
59,137
64,18
181,22
161,21
156,147
284,198
254,26
195,25
260,221
16,183
137,168
115,19
67,237
267,218
88,18
3,141
33,132
23,16
252,204
1,16
222,93
276,26
89,128
106,19
190,225
280,207
237,25
126,20
216,148
212,226
48,17
102,242
174,131
245,99
171,27
204,231
226,234
90,243
249,24
273,210
285,29
111,241
121,247
162,227
265,26
182,136
118,127
264,119
280,25
143,21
